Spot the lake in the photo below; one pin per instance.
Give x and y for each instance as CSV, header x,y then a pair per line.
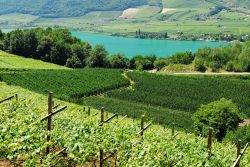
x,y
133,46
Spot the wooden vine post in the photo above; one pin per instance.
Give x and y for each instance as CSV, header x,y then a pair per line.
x,y
101,158
89,111
209,144
101,123
173,129
238,152
50,103
16,96
142,124
49,117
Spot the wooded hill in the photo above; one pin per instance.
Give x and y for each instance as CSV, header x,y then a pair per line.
x,y
68,8
71,8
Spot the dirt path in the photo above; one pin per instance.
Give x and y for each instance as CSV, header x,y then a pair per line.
x,y
130,86
209,73
246,122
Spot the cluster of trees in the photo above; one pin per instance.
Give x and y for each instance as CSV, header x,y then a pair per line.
x,y
151,35
212,37
233,58
51,45
58,46
178,58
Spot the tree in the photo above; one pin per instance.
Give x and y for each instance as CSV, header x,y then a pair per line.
x,y
79,51
44,48
244,59
118,61
16,42
60,52
199,64
74,62
1,35
30,43
151,58
182,58
98,57
142,63
1,40
223,115
160,63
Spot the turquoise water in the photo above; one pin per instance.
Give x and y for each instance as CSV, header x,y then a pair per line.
x,y
6,30
132,46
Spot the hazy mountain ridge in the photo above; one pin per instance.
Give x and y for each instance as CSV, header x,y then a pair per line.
x,y
68,8
71,8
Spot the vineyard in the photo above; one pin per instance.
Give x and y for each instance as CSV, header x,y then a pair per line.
x,y
185,93
70,84
158,115
77,132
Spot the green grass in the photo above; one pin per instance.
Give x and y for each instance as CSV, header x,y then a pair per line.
x,y
16,19
11,61
147,11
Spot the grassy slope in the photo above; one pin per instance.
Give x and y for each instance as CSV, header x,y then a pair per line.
x,y
12,61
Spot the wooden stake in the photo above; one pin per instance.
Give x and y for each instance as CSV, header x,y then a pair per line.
x,y
101,158
50,103
238,152
16,95
142,124
102,115
209,144
173,126
88,110
107,115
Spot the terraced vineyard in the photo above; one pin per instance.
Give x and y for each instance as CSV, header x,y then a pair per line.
x,y
173,99
74,130
186,93
69,84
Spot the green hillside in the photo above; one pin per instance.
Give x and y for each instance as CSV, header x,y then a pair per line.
x,y
11,61
68,8
199,19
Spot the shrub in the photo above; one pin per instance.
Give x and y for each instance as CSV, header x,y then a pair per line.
x,y
118,61
242,134
222,115
199,65
160,63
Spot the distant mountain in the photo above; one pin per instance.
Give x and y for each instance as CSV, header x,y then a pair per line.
x,y
68,8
